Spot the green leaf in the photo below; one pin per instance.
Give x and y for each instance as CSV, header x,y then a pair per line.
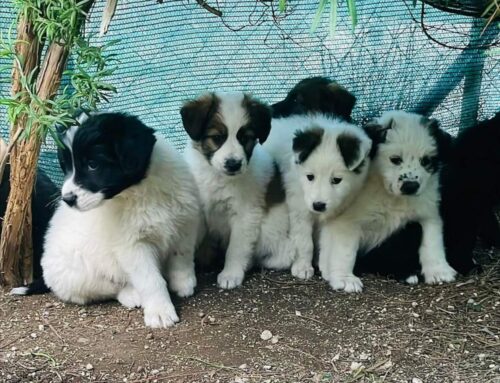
x,y
351,6
317,16
333,17
282,5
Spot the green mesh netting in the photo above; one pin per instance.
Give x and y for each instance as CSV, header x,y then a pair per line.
x,y
171,51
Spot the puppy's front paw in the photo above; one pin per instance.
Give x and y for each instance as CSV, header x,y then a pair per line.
x,y
348,283
411,280
129,297
302,270
183,284
229,279
160,315
438,273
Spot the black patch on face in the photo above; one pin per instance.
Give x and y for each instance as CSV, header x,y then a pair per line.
x,y
259,117
111,152
202,123
246,137
431,164
275,193
306,141
349,147
316,95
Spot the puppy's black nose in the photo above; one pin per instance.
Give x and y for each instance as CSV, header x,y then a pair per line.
x,y
409,187
70,199
232,165
319,206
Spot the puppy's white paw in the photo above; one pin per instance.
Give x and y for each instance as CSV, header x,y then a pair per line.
x,y
183,284
348,283
23,290
438,273
160,315
412,280
129,297
302,270
229,279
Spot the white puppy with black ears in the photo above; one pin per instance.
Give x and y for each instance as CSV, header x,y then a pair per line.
x,y
402,186
128,220
235,178
324,161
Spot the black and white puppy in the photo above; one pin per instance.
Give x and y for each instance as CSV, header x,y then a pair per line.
x,y
470,191
402,186
128,220
323,158
235,177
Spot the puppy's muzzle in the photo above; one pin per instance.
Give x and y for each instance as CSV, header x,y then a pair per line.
x,y
232,165
320,207
409,187
70,199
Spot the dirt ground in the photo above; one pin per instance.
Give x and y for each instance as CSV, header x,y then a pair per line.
x,y
389,333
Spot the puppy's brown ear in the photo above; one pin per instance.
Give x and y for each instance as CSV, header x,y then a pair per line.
x,y
260,117
197,113
343,100
305,141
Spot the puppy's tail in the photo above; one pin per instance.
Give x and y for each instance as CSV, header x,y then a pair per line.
x,y
38,286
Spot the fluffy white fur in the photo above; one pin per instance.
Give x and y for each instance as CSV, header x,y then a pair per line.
x,y
125,248
380,208
234,206
324,163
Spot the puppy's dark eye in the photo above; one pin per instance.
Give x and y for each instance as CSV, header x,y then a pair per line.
x,y
218,139
336,180
425,161
92,165
310,177
396,160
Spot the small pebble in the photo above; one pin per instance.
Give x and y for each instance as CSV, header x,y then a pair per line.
x,y
243,367
274,339
266,335
416,380
89,367
356,366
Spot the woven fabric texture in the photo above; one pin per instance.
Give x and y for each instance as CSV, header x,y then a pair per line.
x,y
396,57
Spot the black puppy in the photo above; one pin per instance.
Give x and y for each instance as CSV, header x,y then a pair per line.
x,y
316,95
470,191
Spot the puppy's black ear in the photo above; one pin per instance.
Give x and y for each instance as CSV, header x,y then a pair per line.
x,y
260,117
342,99
376,131
444,140
305,142
353,150
135,146
197,113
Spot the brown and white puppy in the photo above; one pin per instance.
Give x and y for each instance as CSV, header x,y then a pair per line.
x,y
234,175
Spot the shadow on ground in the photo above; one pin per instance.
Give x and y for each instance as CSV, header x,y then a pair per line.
x,y
389,333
